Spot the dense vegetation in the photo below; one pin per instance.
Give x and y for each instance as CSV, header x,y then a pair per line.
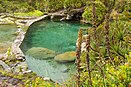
x,y
107,61
42,5
108,45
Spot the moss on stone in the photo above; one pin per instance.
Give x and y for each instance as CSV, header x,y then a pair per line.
x,y
66,57
40,53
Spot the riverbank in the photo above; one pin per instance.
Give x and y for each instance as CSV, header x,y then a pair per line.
x,y
14,57
13,61
24,22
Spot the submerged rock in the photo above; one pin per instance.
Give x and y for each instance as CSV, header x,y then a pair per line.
x,y
66,57
40,53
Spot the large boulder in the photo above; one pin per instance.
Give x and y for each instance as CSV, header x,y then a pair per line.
x,y
66,57
40,53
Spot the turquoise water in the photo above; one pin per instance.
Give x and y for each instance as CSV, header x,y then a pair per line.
x,y
57,36
7,36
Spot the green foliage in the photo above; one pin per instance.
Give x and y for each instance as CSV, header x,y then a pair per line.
x,y
38,82
120,40
42,5
123,9
55,4
128,56
74,3
100,12
35,13
103,73
106,75
126,9
114,76
29,79
119,31
9,52
14,6
1,8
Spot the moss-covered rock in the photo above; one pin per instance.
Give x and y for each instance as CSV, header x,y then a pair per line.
x,y
40,53
66,57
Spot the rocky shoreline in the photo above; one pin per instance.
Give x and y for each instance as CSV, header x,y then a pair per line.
x,y
15,51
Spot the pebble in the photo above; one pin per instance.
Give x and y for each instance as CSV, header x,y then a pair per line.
x,y
47,79
13,81
28,71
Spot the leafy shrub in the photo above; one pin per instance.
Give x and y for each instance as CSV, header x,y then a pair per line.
x,y
34,13
74,3
100,12
15,6
119,32
1,8
113,76
54,5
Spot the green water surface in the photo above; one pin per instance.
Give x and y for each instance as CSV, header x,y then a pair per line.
x,y
57,36
7,36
